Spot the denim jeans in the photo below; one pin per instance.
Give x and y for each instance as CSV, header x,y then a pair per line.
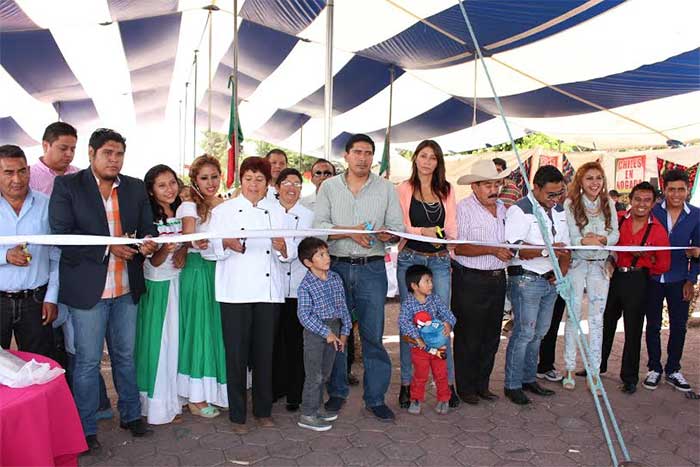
x,y
678,321
589,275
115,320
442,279
365,292
533,302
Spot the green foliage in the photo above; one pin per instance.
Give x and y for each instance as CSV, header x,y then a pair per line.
x,y
530,141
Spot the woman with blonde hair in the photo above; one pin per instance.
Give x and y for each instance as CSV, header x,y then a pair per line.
x,y
201,375
592,220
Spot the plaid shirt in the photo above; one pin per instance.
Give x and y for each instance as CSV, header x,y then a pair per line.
x,y
117,283
320,300
433,305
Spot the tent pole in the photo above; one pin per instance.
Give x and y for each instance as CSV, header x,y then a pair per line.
x,y
328,96
184,130
194,109
235,93
211,27
301,146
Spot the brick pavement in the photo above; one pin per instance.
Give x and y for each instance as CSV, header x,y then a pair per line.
x,y
661,428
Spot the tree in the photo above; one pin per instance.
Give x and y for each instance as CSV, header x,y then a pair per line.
x,y
529,141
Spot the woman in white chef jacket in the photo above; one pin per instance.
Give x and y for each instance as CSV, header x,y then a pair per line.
x,y
288,369
249,286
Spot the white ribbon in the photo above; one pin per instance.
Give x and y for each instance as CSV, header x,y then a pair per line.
x,y
97,240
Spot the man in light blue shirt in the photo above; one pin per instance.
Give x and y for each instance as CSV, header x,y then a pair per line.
x,y
28,273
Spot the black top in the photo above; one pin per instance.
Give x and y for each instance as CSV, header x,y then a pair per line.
x,y
426,215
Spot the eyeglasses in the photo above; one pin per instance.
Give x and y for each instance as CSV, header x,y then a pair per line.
x,y
555,195
288,183
324,173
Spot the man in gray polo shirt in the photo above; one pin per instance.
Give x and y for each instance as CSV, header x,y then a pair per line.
x,y
360,200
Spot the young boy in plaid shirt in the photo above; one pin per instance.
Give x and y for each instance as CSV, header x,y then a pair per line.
x,y
422,301
323,312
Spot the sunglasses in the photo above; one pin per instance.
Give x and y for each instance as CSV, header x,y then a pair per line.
x,y
326,173
555,195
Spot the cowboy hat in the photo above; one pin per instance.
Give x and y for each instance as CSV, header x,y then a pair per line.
x,y
481,171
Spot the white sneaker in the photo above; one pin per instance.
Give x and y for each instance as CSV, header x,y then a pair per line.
x,y
551,375
677,380
414,409
651,382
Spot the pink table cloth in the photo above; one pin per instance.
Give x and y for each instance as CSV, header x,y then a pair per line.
x,y
39,425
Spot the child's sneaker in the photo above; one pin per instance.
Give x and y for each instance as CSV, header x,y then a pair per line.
x,y
327,416
414,408
313,423
442,407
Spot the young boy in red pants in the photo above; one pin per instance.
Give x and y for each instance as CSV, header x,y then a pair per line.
x,y
437,321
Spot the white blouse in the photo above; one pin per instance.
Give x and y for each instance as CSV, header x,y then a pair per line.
x,y
299,218
189,209
257,275
167,270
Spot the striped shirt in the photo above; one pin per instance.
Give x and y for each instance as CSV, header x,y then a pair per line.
x,y
117,283
476,223
376,203
320,300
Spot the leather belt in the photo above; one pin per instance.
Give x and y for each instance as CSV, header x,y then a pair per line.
x,y
630,269
22,293
481,272
357,261
520,271
439,254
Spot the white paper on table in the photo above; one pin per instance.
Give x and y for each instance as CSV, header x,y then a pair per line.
x,y
18,373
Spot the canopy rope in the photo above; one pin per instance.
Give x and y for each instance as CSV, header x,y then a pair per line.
x,y
563,284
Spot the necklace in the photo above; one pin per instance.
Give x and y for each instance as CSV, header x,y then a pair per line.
x,y
432,209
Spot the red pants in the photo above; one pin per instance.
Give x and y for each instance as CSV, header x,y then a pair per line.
x,y
422,363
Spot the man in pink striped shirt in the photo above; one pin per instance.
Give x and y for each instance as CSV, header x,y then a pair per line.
x,y
479,282
58,142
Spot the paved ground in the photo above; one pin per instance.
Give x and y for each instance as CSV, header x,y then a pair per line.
x,y
661,428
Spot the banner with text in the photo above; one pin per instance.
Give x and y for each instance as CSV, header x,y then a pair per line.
x,y
629,171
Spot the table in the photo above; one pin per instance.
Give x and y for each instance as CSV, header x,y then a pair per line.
x,y
39,425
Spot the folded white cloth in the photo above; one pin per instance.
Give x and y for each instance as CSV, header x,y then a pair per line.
x,y
18,373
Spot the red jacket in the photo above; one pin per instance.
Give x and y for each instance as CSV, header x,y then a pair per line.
x,y
658,262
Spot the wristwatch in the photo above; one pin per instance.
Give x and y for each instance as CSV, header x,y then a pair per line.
x,y
544,252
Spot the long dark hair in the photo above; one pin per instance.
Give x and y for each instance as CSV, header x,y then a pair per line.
x,y
150,180
439,184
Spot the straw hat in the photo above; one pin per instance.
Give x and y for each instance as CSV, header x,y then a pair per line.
x,y
481,171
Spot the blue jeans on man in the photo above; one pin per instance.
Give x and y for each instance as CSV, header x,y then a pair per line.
x,y
442,281
678,319
365,292
533,303
115,320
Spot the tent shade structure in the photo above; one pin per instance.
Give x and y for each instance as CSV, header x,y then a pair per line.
x,y
604,74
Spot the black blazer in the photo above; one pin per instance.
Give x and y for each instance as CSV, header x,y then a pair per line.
x,y
76,208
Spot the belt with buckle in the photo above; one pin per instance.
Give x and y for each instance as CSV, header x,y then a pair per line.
x,y
22,293
521,271
440,254
481,272
630,269
357,260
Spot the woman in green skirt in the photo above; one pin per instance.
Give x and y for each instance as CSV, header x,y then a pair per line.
x,y
201,378
157,322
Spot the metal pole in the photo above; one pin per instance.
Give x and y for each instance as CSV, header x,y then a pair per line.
x,y
328,96
179,135
301,147
184,130
194,105
235,92
211,27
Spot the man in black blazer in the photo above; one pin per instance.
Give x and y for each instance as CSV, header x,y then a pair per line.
x,y
101,285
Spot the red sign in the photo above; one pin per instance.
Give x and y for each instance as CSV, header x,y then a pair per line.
x,y
549,160
629,171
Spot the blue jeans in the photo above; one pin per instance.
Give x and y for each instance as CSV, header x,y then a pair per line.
x,y
678,323
365,293
115,320
442,280
533,302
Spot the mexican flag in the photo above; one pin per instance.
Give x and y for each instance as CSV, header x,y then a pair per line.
x,y
235,137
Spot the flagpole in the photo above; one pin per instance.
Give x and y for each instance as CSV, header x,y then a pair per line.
x,y
194,105
237,179
301,146
385,166
184,130
328,95
210,8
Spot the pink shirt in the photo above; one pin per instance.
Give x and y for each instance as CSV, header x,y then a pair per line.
x,y
41,177
476,223
405,192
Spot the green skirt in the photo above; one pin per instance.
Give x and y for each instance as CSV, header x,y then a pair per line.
x,y
202,360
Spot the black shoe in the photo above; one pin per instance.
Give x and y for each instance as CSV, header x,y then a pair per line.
x,y
94,446
488,395
292,407
517,396
334,404
382,413
471,399
535,388
353,380
405,397
138,428
603,369
454,398
628,388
